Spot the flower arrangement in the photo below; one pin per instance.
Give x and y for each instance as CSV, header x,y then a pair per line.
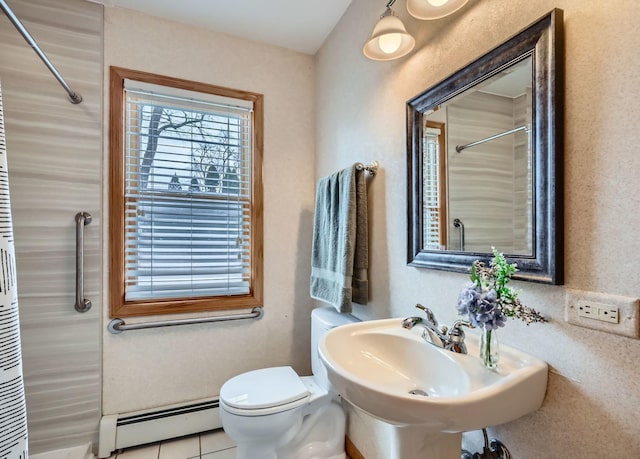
x,y
488,302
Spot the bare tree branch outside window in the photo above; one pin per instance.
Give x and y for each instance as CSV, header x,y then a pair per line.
x,y
209,144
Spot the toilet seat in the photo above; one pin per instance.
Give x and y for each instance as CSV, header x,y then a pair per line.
x,y
265,391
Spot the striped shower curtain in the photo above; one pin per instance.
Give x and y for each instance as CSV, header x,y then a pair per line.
x,y
13,411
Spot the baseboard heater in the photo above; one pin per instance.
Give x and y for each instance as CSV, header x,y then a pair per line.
x,y
124,430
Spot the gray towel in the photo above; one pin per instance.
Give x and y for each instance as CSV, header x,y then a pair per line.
x,y
340,257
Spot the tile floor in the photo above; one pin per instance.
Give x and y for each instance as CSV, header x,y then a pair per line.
x,y
209,445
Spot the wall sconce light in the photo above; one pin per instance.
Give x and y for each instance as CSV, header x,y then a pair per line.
x,y
433,9
390,39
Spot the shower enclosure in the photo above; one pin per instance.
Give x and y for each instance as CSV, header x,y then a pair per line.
x,y
55,160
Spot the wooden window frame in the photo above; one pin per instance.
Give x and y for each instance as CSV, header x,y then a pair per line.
x,y
442,182
119,307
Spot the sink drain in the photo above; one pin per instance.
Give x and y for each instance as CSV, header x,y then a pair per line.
x,y
418,392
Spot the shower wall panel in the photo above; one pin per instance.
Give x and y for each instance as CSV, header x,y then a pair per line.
x,y
481,178
55,153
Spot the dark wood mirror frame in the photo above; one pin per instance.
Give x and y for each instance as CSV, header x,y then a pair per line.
x,y
543,42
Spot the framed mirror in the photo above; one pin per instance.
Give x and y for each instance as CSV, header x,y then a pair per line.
x,y
484,156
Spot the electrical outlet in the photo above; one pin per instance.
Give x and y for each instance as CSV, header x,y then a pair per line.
x,y
587,310
600,311
609,314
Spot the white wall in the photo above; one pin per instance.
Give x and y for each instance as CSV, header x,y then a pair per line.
x,y
152,368
593,399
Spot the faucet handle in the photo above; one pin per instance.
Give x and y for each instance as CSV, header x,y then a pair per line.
x,y
456,331
459,323
456,336
429,313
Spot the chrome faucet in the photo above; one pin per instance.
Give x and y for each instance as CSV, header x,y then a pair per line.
x,y
452,340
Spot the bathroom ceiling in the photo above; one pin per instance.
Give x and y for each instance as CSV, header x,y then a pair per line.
x,y
300,25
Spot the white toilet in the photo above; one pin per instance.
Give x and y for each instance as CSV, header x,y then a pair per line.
x,y
274,413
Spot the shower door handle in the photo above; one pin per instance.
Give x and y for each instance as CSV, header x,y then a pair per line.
x,y
82,304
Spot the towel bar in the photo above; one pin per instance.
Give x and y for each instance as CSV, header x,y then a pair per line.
x,y
117,326
370,168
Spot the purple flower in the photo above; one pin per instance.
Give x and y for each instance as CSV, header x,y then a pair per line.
x,y
467,299
487,302
481,306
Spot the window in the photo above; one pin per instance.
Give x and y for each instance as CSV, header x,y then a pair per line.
x,y
185,196
434,187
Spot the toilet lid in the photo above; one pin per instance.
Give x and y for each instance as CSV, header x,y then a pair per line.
x,y
264,388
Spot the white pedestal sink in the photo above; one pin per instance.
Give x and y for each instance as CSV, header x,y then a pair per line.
x,y
428,395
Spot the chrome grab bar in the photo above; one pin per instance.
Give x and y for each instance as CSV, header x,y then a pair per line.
x,y
458,224
82,304
118,326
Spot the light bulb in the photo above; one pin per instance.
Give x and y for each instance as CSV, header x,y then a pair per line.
x,y
437,2
389,43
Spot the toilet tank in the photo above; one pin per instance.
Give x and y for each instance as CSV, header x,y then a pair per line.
x,y
323,320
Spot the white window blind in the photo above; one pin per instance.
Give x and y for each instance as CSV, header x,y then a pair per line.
x,y
187,194
431,189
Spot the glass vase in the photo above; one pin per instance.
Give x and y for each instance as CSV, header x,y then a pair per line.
x,y
489,349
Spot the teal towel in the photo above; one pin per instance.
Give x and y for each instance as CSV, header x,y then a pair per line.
x,y
340,258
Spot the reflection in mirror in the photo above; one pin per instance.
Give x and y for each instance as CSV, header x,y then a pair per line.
x,y
434,195
484,160
477,146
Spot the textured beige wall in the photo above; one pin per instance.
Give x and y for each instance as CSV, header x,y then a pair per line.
x,y
593,399
157,367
